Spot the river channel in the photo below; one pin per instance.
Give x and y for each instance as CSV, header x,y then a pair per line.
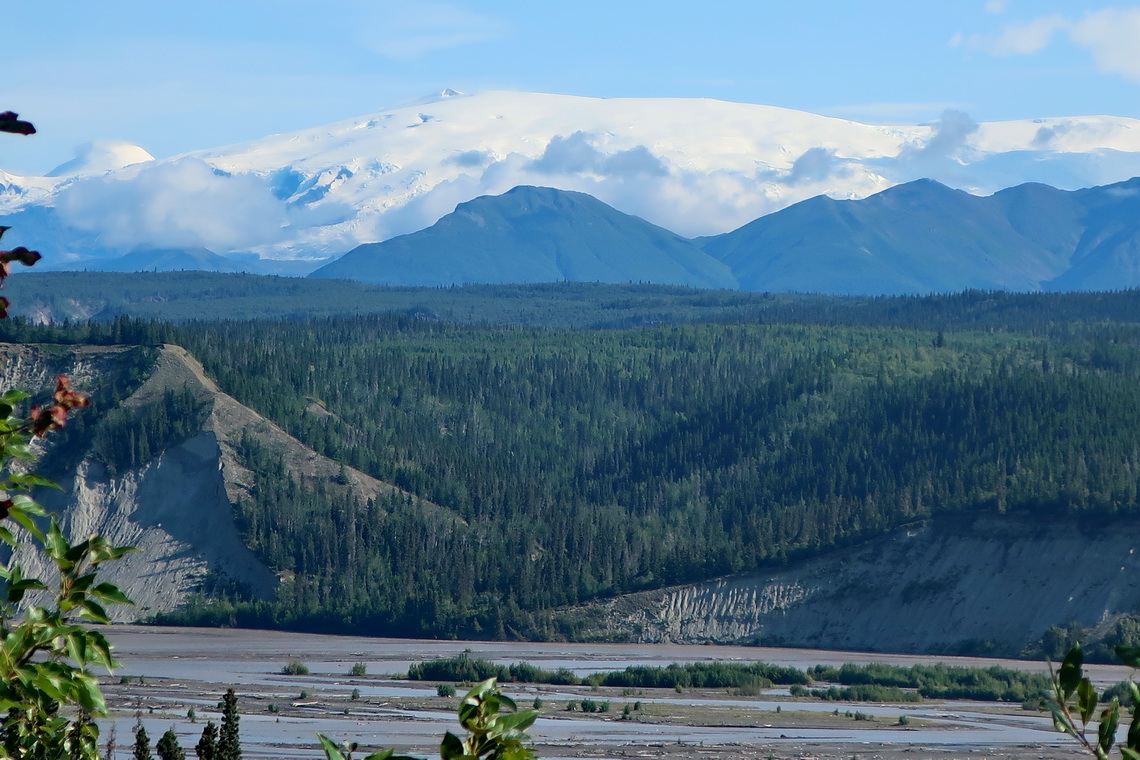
x,y
166,672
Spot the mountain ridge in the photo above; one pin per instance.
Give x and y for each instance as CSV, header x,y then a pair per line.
x,y
533,234
698,166
913,238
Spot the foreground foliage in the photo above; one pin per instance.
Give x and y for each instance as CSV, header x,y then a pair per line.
x,y
496,730
1076,706
47,689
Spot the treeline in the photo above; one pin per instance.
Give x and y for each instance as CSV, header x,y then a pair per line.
x,y
854,683
178,296
183,296
464,668
569,465
940,681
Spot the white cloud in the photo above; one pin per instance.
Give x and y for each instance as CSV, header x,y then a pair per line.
x,y
1016,39
1112,36
576,154
813,165
950,134
177,204
685,202
1031,37
996,6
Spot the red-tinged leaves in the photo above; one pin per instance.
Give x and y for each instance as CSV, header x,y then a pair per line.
x,y
10,122
67,397
17,255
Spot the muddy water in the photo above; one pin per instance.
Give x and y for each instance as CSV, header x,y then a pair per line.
x,y
186,668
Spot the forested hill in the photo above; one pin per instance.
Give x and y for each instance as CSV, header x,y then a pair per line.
x,y
184,296
585,464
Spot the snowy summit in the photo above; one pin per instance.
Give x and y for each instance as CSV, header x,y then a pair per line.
x,y
694,166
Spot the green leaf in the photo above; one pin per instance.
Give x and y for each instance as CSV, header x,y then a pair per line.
x,y
1086,699
91,697
109,592
332,752
519,721
29,479
1061,721
17,589
51,684
1106,732
1133,739
14,396
1069,676
27,523
19,451
507,701
1130,753
451,748
77,648
99,649
94,612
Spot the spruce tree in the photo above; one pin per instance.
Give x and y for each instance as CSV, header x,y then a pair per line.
x,y
168,747
229,742
207,746
142,743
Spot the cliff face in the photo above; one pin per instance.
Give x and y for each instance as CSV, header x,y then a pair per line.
x,y
927,588
178,508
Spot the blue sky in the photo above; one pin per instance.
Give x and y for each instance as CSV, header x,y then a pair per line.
x,y
173,76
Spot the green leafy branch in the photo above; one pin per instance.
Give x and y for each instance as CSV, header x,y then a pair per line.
x,y
46,650
496,730
1074,703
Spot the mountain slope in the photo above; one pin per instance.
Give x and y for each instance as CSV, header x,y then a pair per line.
x,y
179,504
924,237
942,586
533,234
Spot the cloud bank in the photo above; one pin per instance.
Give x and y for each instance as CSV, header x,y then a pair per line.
x,y
177,204
1109,35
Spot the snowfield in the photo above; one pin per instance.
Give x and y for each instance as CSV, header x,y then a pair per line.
x,y
694,166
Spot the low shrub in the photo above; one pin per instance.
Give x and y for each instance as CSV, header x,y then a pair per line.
x,y
295,668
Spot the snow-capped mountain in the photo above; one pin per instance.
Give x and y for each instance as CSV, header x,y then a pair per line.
x,y
693,166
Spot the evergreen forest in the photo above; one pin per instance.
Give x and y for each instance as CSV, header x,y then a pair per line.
x,y
577,463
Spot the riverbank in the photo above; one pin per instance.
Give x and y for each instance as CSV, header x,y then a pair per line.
x,y
167,672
